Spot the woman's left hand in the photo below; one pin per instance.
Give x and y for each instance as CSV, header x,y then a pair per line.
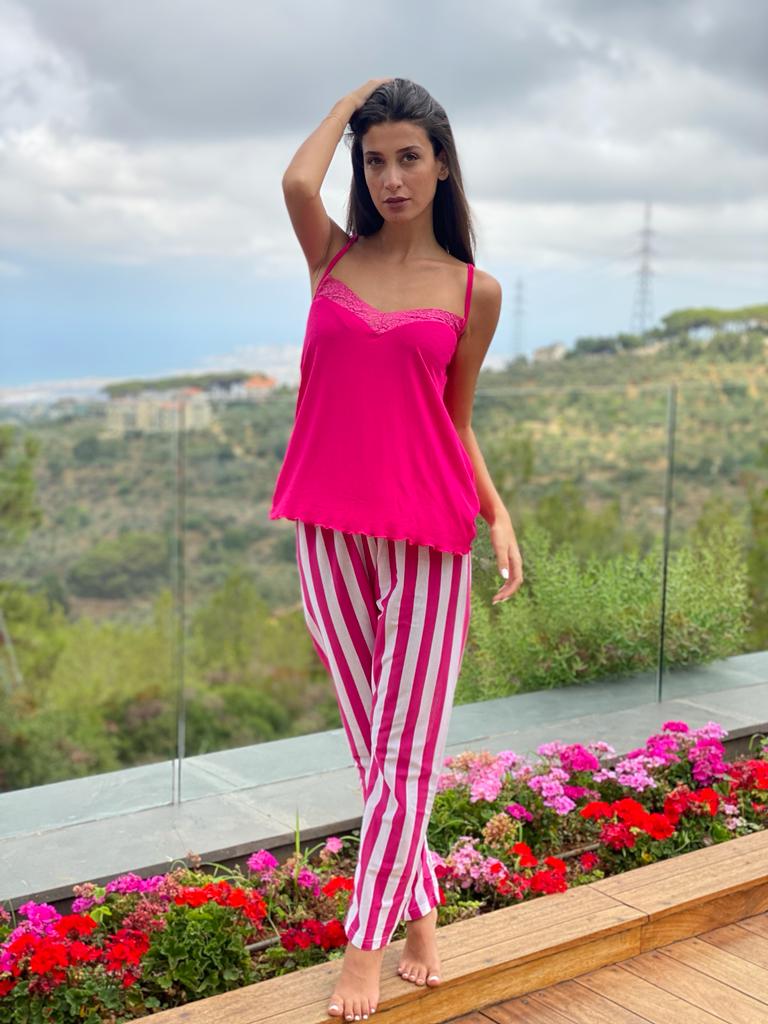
x,y
508,558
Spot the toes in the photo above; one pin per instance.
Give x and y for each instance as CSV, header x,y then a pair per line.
x,y
434,979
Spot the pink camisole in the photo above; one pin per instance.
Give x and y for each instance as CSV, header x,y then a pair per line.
x,y
373,449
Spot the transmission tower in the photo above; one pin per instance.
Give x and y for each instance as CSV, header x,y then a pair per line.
x,y
641,312
517,335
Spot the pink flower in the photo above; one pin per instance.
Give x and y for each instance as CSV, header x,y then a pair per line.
x,y
307,879
262,862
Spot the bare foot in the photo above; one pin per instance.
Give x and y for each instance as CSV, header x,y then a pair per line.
x,y
420,961
356,994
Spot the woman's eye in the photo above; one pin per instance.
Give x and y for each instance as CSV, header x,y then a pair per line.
x,y
375,160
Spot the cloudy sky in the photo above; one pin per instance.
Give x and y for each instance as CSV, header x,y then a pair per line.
x,y
142,226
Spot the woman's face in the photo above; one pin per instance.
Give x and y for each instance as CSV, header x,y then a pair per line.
x,y
399,162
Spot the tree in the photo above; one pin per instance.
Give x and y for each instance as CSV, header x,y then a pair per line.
x,y
19,512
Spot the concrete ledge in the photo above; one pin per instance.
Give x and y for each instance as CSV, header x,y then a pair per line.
x,y
93,829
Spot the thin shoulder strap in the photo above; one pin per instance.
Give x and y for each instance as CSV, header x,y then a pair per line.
x,y
468,298
337,257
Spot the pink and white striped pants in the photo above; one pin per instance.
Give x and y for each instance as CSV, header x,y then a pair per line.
x,y
389,620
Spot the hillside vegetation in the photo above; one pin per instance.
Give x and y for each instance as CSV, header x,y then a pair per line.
x,y
110,547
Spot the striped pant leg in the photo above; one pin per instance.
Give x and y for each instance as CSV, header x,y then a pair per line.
x,y
337,574
384,615
418,650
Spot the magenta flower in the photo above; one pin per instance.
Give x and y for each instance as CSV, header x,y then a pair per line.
x,y
519,812
262,862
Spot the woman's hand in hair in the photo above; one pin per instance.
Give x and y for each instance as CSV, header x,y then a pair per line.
x,y
362,94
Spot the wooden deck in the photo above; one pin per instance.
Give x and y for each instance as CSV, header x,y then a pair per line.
x,y
720,975
591,955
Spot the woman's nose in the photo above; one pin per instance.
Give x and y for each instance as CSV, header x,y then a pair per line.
x,y
391,178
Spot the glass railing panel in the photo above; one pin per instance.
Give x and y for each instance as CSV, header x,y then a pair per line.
x,y
716,621
87,611
582,474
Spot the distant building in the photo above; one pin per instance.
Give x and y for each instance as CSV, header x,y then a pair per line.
x,y
159,414
253,389
549,353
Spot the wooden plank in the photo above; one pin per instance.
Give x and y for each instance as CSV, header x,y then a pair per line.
x,y
470,1018
698,989
733,938
482,990
537,924
757,924
538,919
693,861
525,1010
701,917
572,1001
673,893
645,998
743,975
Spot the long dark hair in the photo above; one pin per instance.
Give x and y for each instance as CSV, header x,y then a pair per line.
x,y
404,100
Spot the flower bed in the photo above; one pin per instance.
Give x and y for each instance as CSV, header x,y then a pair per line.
x,y
503,830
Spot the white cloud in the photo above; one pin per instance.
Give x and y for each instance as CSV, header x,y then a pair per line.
x,y
144,132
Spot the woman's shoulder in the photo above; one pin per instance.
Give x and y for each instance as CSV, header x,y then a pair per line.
x,y
485,287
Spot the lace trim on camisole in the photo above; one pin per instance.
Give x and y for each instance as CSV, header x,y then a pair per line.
x,y
381,320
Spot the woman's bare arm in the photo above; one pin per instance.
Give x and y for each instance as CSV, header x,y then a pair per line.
x,y
317,233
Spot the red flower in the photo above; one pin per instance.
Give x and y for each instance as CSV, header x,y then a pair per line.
x,y
556,864
335,935
658,826
527,858
631,812
617,836
709,797
126,946
596,809
549,881
49,954
336,884
80,924
311,931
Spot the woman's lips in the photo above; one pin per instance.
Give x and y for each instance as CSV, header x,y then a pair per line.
x,y
395,202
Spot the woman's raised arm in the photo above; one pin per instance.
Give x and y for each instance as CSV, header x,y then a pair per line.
x,y
317,233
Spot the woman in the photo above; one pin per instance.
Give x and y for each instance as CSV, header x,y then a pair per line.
x,y
384,479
